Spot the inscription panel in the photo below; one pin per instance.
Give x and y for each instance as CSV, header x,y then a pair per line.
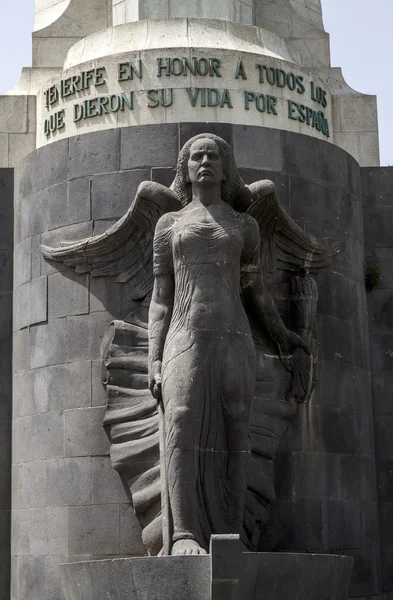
x,y
162,86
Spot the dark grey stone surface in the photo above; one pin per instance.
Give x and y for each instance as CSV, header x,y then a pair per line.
x,y
163,175
47,345
188,130
157,147
6,265
26,312
306,173
377,186
84,435
266,151
112,194
280,180
84,335
39,173
68,482
67,295
302,157
227,573
329,205
95,153
166,577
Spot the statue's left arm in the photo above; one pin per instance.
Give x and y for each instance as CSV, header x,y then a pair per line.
x,y
258,298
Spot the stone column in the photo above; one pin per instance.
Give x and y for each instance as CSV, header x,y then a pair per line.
x,y
59,24
281,13
6,254
47,11
377,184
300,23
125,11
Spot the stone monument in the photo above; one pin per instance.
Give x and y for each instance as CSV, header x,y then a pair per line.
x,y
196,193
202,358
197,255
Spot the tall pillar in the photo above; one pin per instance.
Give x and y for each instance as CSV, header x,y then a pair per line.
x,y
126,11
6,260
59,24
299,22
378,217
48,11
283,12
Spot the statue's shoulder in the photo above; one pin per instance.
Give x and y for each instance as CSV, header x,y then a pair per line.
x,y
167,221
248,223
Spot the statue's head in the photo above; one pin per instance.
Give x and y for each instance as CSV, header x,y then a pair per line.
x,y
205,166
220,167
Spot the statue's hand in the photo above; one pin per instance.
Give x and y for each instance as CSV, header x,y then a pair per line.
x,y
155,380
294,341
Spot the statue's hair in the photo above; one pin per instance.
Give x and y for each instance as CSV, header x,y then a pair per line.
x,y
232,184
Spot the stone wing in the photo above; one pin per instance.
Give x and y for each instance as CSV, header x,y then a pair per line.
x,y
132,420
282,383
132,423
284,245
125,250
271,415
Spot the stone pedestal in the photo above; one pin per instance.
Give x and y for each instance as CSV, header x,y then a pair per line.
x,y
226,574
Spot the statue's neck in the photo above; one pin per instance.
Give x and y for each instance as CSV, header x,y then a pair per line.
x,y
206,195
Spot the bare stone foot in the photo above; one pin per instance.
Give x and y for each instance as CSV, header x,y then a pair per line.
x,y
187,547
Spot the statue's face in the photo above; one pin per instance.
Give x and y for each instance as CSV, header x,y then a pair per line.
x,y
205,165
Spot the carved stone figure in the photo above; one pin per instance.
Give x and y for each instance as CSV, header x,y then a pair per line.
x,y
198,457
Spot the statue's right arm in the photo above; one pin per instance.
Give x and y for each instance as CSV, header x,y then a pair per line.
x,y
160,315
161,306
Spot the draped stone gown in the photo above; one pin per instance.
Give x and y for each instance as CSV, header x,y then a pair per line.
x,y
208,374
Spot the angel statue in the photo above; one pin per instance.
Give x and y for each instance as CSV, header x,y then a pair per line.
x,y
193,429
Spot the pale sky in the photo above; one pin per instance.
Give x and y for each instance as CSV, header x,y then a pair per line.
x,y
360,36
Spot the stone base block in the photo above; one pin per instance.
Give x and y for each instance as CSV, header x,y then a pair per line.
x,y
226,574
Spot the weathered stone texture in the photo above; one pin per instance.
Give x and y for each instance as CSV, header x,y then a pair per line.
x,y
26,312
125,11
158,149
6,262
325,472
112,194
377,187
327,467
93,154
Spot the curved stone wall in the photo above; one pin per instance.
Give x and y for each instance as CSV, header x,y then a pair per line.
x,y
125,11
377,187
6,260
68,503
210,70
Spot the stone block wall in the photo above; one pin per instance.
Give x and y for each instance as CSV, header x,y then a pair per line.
x,y
377,187
6,260
17,129
325,470
68,503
